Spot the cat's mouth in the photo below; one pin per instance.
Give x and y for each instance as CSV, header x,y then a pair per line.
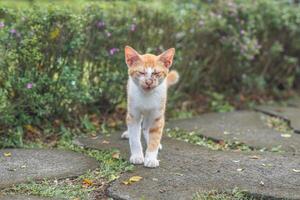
x,y
147,88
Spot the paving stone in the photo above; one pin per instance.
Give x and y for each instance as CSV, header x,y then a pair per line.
x,y
248,127
288,113
34,164
186,169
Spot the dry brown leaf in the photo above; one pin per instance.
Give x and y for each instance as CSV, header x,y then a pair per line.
x,y
105,142
254,157
87,182
116,155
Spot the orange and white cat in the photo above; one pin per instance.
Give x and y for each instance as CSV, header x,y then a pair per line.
x,y
149,78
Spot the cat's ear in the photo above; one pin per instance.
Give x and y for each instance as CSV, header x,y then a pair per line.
x,y
167,57
131,56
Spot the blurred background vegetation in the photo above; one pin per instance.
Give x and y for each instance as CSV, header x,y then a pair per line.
x,y
62,62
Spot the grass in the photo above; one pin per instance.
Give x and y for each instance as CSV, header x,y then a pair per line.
x,y
236,194
196,138
278,124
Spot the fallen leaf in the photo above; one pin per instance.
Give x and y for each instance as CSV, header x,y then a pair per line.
x,y
105,142
135,178
112,124
286,135
23,166
87,182
7,154
125,182
254,157
116,155
296,170
132,179
236,161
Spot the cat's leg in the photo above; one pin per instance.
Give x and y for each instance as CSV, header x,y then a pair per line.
x,y
145,129
134,133
155,134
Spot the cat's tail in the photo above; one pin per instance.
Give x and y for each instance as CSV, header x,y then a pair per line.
x,y
172,78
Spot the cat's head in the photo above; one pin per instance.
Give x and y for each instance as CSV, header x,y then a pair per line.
x,y
148,71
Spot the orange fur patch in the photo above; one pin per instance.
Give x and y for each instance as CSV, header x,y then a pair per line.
x,y
155,133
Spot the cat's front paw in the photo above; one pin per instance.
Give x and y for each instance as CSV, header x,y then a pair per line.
x,y
151,162
136,159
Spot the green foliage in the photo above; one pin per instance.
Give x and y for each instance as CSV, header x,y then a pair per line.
x,y
218,103
58,61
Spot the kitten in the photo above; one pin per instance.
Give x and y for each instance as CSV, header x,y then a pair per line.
x,y
149,78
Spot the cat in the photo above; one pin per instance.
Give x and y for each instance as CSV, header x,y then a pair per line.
x,y
149,79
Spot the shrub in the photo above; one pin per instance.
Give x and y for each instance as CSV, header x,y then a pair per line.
x,y
57,62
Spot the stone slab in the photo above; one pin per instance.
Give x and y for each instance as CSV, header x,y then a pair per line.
x,y
290,114
243,126
25,197
35,164
186,169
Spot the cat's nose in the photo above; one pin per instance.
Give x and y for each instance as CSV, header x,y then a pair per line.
x,y
149,82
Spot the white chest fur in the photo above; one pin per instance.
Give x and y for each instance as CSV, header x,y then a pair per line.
x,y
146,101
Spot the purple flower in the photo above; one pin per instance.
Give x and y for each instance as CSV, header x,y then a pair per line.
x,y
29,85
133,27
113,51
242,32
13,31
2,24
101,24
108,34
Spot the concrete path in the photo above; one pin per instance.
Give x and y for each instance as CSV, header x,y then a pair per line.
x,y
186,169
248,127
22,165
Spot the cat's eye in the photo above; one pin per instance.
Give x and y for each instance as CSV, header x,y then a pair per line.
x,y
155,73
142,73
